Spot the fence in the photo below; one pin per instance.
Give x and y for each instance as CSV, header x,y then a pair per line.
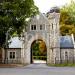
x,y
40,57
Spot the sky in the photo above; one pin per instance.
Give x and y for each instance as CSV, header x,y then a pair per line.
x,y
45,5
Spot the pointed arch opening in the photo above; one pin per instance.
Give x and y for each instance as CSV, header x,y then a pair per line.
x,y
38,51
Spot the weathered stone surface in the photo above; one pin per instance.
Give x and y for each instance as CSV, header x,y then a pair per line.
x,y
47,34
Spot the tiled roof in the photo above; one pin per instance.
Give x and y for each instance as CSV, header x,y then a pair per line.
x,y
15,43
66,42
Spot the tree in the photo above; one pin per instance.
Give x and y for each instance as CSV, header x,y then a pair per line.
x,y
35,48
67,19
39,48
13,14
42,48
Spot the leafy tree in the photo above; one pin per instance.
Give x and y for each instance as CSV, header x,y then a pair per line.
x,y
35,46
13,15
42,48
67,19
39,48
67,29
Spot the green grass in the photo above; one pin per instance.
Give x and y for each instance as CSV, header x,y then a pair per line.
x,y
63,65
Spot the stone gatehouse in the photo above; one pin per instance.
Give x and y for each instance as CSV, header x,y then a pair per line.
x,y
46,28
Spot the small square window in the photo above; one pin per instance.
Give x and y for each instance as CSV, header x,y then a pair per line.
x,y
66,53
52,25
41,27
33,27
12,55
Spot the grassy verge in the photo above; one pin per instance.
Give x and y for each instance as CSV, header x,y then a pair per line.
x,y
63,65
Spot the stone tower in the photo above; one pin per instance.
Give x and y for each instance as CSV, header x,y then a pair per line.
x,y
53,17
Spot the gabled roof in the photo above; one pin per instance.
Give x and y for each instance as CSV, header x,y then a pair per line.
x,y
15,43
40,18
66,42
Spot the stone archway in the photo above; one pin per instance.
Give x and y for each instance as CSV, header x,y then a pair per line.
x,y
26,51
38,51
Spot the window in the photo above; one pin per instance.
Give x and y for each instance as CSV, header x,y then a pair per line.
x,y
12,55
66,53
52,25
41,27
66,56
33,27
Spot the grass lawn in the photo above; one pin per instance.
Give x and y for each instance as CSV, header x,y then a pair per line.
x,y
63,65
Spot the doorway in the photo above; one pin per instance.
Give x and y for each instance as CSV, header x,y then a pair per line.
x,y
38,51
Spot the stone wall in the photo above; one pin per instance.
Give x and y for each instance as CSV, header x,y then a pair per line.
x,y
69,57
17,55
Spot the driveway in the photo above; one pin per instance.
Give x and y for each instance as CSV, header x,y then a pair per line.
x,y
38,69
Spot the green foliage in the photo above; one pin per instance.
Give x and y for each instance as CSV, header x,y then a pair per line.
x,y
39,48
67,29
35,47
13,14
63,65
67,19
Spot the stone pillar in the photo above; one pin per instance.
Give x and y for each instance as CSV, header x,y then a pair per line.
x,y
3,55
54,36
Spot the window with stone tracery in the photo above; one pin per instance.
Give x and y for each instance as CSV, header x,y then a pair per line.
x,y
33,27
12,55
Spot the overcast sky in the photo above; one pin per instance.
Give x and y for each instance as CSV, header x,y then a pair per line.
x,y
45,5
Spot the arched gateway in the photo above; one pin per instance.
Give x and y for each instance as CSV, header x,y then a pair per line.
x,y
38,51
46,29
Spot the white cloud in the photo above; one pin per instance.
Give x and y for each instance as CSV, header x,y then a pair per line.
x,y
45,5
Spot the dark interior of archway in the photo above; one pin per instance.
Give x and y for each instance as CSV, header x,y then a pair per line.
x,y
38,50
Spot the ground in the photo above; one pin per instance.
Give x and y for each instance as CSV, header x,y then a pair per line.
x,y
38,69
39,61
